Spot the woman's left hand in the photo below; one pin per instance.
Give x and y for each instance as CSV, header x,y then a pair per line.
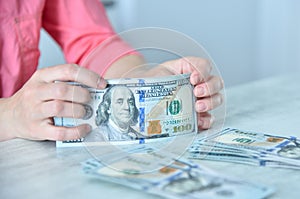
x,y
207,87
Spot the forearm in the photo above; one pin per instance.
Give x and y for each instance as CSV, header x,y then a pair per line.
x,y
134,66
124,67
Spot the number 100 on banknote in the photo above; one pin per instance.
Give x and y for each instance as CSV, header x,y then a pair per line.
x,y
138,109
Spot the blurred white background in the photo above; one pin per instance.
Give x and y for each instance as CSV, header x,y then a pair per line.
x,y
248,39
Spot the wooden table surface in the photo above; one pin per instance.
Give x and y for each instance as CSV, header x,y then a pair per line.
x,y
33,169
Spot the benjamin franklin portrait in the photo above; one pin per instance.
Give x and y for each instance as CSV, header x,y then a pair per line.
x,y
115,116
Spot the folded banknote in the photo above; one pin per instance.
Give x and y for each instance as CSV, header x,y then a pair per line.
x,y
135,110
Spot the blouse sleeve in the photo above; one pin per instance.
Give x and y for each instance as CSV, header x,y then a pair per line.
x,y
81,28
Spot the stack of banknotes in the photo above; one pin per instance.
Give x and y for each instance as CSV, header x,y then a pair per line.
x,y
134,110
238,146
154,172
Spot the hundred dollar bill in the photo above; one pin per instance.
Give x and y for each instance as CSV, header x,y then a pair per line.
x,y
179,179
249,140
137,109
279,147
242,159
261,149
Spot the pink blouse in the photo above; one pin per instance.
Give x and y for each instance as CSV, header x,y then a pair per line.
x,y
78,26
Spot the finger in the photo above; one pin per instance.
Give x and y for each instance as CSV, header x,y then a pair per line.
x,y
205,120
190,64
200,69
209,103
63,91
57,108
60,133
71,72
209,88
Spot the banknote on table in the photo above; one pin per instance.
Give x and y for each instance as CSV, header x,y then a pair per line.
x,y
247,147
137,110
178,179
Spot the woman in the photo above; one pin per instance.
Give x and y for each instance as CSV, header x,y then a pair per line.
x,y
30,98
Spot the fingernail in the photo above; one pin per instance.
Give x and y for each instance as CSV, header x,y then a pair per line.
x,y
200,91
200,77
101,83
195,79
200,123
89,128
201,107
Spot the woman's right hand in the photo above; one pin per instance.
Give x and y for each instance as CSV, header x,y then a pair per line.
x,y
29,112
